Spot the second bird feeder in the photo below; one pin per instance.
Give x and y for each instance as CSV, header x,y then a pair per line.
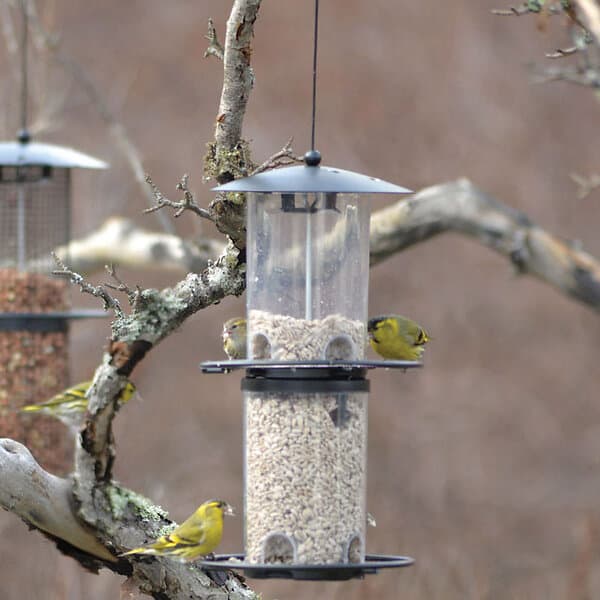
x,y
35,219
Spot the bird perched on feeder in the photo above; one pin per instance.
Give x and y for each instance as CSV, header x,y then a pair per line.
x,y
396,337
71,404
234,338
197,536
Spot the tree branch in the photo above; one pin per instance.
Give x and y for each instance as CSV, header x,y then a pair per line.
x,y
46,503
87,288
463,208
214,46
281,158
121,242
590,12
228,157
43,500
188,202
585,185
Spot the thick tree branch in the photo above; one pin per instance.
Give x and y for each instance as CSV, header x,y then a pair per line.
x,y
43,500
47,503
228,157
463,208
590,13
121,242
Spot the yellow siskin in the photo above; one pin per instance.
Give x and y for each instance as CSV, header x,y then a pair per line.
x,y
71,404
197,536
396,337
234,338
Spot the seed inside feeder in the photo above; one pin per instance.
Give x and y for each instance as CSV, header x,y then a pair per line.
x,y
305,477
281,337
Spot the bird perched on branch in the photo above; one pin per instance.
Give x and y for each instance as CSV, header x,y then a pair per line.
x,y
71,404
197,536
396,337
234,338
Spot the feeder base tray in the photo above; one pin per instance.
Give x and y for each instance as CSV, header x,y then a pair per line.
x,y
329,572
269,367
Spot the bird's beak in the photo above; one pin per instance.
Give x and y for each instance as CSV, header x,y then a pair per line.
x,y
229,510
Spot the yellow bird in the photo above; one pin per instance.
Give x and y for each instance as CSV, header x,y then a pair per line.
x,y
71,404
234,338
396,337
197,536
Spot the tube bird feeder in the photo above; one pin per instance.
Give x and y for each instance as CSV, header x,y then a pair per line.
x,y
305,390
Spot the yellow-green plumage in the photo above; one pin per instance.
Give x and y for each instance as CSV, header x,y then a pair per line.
x,y
197,536
71,404
397,337
234,338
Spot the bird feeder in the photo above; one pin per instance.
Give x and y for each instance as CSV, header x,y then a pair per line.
x,y
305,390
35,219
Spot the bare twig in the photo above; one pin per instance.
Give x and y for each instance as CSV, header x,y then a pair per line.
x,y
95,290
8,31
134,296
562,52
282,158
585,185
576,75
214,46
187,203
513,11
461,207
527,8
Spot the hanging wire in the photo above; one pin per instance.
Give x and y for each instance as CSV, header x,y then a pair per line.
x,y
314,77
24,134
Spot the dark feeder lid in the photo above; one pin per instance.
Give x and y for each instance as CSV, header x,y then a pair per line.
x,y
311,178
25,153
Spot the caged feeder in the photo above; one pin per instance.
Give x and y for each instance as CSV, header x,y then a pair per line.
x,y
35,219
305,390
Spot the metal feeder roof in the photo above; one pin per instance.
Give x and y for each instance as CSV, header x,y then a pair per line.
x,y
312,179
20,154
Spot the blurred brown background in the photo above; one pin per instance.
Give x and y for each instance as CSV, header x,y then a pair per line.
x,y
483,464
